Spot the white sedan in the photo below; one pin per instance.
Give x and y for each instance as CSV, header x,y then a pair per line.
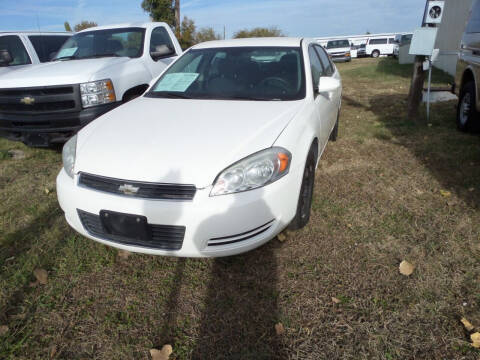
x,y
215,159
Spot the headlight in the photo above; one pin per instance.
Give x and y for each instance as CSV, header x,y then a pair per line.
x,y
97,93
69,153
257,170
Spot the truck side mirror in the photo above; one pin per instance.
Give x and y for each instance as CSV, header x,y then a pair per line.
x,y
162,51
5,57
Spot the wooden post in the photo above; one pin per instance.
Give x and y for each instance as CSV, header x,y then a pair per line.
x,y
177,16
416,88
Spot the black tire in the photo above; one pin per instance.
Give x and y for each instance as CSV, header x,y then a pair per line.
x,y
304,204
375,54
334,133
467,115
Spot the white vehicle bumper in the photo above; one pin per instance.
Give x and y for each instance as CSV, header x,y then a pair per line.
x,y
242,221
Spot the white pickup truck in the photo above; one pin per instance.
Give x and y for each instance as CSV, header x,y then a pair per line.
x,y
93,72
23,49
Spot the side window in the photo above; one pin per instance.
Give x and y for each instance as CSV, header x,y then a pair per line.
x,y
160,37
327,64
315,65
473,25
391,41
47,46
14,45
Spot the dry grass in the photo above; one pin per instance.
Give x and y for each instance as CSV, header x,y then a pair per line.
x,y
377,202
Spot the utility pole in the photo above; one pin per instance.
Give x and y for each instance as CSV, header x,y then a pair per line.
x,y
177,15
418,79
224,31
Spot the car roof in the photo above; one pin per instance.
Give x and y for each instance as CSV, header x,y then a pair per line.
x,y
265,41
145,25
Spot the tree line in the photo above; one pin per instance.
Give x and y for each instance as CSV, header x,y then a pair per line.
x,y
168,11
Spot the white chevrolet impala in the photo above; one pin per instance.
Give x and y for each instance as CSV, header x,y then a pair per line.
x,y
215,159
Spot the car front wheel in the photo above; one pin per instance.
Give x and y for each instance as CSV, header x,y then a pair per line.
x,y
306,193
467,115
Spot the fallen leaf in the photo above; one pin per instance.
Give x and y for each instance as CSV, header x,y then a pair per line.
x,y
279,329
406,268
471,189
41,275
475,340
467,324
47,191
163,354
335,300
3,330
445,193
16,154
53,351
281,237
430,125
124,254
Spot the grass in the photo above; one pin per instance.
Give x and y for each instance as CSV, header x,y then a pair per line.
x,y
377,202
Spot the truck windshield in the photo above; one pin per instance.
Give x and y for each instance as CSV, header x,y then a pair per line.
x,y
103,43
235,73
334,44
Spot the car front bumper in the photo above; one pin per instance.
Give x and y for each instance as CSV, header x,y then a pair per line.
x,y
341,58
242,221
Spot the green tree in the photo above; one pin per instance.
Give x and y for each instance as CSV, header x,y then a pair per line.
x,y
85,25
187,36
67,26
259,32
167,11
206,34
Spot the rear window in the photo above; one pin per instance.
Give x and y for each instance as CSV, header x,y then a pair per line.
x,y
473,25
377,41
47,46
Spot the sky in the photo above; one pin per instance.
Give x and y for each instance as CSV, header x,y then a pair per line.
x,y
309,18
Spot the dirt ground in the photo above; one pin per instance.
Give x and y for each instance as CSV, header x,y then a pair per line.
x,y
386,191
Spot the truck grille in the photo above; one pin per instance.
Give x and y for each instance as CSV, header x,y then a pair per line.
x,y
146,190
40,100
163,237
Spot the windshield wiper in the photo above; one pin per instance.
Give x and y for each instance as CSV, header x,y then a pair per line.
x,y
252,98
99,56
70,57
170,94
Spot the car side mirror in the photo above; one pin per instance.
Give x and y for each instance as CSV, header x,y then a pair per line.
x,y
5,57
328,84
161,52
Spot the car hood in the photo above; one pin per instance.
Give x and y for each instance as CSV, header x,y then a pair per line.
x,y
8,69
177,140
58,72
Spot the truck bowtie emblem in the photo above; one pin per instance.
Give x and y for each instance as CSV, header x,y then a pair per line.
x,y
128,189
27,100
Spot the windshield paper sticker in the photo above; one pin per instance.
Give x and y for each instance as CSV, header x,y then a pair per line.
x,y
66,52
176,82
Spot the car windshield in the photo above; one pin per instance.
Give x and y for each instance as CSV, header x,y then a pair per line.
x,y
338,44
103,43
235,73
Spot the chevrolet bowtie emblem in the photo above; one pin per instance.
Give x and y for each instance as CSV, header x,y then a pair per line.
x,y
27,100
128,189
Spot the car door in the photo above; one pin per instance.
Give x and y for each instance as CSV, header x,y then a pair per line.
x,y
159,36
335,96
322,102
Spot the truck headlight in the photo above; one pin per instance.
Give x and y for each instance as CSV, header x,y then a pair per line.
x,y
69,153
254,171
97,93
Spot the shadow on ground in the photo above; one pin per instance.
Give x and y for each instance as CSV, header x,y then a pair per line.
x,y
451,156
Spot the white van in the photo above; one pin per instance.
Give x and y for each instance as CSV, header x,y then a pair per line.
x,y
380,46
